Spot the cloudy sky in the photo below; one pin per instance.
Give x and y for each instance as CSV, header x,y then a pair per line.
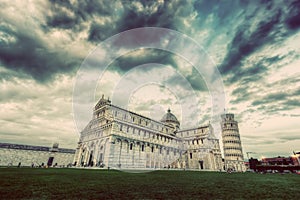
x,y
253,46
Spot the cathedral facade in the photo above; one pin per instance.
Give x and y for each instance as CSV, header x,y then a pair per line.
x,y
121,139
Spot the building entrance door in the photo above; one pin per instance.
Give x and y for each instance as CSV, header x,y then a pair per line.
x,y
201,164
50,161
91,163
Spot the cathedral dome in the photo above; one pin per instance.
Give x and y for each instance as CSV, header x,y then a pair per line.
x,y
170,118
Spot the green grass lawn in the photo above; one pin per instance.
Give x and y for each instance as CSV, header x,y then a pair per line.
x,y
28,183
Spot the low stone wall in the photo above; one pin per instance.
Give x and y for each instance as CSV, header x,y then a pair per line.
x,y
26,155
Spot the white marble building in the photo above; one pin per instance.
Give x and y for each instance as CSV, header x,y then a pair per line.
x,y
121,139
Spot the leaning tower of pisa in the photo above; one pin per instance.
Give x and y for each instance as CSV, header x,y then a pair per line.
x,y
233,153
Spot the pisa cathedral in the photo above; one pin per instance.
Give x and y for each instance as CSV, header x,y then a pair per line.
x,y
121,139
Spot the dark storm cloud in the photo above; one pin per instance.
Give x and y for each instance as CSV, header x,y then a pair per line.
x,y
281,101
10,75
243,43
16,96
140,57
239,91
222,10
241,94
61,15
24,51
292,103
101,19
250,74
196,80
270,29
297,92
288,81
97,33
29,55
153,14
290,138
162,17
61,20
67,15
254,73
137,14
127,15
271,98
293,19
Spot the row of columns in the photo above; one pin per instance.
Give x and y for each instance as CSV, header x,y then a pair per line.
x,y
91,154
132,154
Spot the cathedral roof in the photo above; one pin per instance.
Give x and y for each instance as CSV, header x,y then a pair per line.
x,y
169,117
102,102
